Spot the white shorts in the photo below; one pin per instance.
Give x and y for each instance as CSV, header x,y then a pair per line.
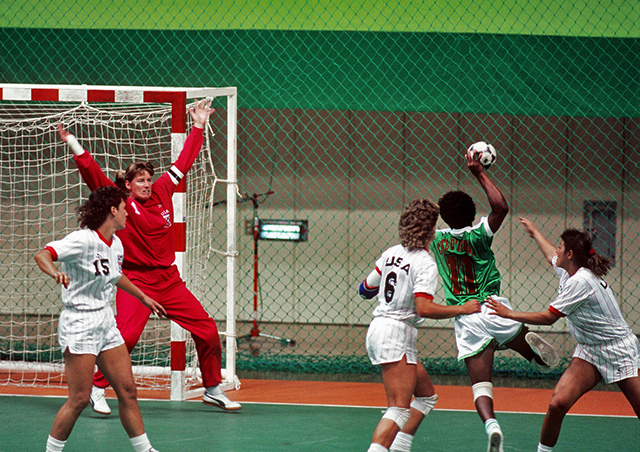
x,y
388,340
616,361
88,332
474,332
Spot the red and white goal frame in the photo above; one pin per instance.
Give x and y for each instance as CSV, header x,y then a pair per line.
x,y
178,98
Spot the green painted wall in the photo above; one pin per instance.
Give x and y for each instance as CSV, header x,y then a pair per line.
x,y
482,73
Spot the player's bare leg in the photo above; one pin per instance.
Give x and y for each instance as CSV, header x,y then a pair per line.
x,y
79,373
425,400
399,381
116,366
424,388
579,378
480,368
631,390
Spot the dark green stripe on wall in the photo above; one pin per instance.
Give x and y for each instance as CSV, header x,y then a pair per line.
x,y
473,73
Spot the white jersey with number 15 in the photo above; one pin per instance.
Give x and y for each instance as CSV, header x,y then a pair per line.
x,y
93,264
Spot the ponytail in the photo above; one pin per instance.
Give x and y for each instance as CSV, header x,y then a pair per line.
x,y
584,255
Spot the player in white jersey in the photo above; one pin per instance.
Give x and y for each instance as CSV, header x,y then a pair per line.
x,y
91,264
607,348
404,281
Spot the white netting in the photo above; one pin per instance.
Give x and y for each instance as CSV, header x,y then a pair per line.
x,y
40,189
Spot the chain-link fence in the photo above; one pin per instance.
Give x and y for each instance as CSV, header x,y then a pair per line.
x,y
347,112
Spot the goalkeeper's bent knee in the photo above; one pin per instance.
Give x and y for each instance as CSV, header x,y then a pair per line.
x,y
484,388
424,404
398,415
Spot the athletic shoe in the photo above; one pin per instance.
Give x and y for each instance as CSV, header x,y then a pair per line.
x,y
218,398
495,442
98,402
544,350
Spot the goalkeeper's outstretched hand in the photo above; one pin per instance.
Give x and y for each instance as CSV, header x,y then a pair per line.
x,y
70,140
64,135
200,112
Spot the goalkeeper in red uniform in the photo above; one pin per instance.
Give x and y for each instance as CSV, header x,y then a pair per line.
x,y
149,255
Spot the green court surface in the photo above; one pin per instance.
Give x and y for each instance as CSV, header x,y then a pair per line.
x,y
193,426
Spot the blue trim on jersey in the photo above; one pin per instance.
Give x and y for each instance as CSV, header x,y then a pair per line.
x,y
367,293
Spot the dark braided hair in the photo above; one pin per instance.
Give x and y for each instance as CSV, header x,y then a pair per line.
x,y
97,208
583,253
457,209
417,225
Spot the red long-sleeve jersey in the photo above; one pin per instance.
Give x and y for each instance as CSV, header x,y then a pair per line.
x,y
148,238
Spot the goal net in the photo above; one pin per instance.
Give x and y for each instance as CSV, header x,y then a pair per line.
x,y
40,190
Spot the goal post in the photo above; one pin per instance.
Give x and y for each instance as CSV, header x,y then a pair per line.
x,y
29,115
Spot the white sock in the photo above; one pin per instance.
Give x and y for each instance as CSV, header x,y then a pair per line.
x,y
543,448
491,426
141,443
402,443
213,390
375,447
54,445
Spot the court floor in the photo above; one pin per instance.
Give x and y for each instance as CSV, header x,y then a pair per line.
x,y
318,416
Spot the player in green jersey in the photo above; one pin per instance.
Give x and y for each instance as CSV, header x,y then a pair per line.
x,y
468,269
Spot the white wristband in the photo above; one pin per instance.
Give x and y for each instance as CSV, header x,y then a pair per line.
x,y
74,145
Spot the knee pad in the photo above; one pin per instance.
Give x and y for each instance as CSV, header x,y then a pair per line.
x,y
484,388
424,404
398,415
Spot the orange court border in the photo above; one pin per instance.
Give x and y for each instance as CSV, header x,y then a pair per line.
x,y
357,394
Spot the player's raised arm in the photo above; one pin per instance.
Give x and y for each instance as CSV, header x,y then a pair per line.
x,y
548,250
200,112
89,169
499,206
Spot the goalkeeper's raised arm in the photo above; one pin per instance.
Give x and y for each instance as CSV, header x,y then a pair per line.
x,y
89,169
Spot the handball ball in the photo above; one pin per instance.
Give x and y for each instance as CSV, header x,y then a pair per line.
x,y
487,153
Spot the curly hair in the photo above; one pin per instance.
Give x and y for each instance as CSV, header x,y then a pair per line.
x,y
134,169
457,209
583,253
417,225
93,213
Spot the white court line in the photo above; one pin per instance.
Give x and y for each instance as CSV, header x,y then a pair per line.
x,y
331,406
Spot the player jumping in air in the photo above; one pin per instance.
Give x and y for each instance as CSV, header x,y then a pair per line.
x,y
404,282
607,348
149,255
91,261
468,269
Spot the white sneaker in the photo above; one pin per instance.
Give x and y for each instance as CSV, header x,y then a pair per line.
x,y
495,442
218,398
98,401
544,350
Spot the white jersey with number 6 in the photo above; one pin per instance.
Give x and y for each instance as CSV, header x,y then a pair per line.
x,y
403,274
93,264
